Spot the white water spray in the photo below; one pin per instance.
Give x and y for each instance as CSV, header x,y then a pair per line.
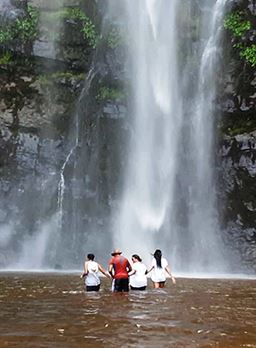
x,y
149,216
157,118
205,253
61,185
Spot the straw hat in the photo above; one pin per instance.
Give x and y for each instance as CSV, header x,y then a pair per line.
x,y
116,252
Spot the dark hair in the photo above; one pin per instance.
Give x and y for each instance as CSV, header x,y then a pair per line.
x,y
158,256
137,257
90,257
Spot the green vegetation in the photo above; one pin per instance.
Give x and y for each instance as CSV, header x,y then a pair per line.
x,y
87,27
49,79
114,38
5,59
236,24
239,27
107,93
5,35
249,53
238,125
23,30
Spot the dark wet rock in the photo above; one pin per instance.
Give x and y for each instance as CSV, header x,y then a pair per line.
x,y
12,10
237,166
37,110
238,182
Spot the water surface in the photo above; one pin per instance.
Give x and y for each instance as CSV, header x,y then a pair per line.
x,y
52,310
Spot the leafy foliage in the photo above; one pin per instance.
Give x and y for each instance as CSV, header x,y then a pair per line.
x,y
236,24
5,59
5,35
24,29
87,27
107,93
249,53
240,28
49,79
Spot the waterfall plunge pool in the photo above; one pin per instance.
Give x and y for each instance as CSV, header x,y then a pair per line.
x,y
52,310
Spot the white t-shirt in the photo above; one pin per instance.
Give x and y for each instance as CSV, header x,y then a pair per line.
x,y
158,273
138,279
92,278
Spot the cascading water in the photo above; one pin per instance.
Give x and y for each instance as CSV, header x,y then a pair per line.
x,y
73,160
157,118
203,219
168,198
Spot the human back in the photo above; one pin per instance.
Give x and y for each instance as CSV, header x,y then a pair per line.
x,y
119,266
159,268
92,278
158,273
138,279
91,273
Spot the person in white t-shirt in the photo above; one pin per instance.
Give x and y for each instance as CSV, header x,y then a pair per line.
x,y
138,279
159,268
91,273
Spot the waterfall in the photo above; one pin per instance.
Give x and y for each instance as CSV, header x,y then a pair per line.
x,y
205,248
169,198
76,135
157,117
161,183
67,212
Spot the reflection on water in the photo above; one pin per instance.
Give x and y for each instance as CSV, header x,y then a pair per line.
x,y
52,310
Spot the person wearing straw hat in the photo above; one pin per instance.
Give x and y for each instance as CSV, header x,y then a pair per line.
x,y
119,266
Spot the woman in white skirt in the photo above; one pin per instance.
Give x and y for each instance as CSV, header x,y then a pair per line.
x,y
159,268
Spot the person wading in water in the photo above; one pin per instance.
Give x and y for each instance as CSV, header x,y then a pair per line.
x,y
138,279
91,273
118,268
159,266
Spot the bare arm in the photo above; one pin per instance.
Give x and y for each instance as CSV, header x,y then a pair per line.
x,y
85,271
129,267
103,271
170,274
110,270
131,272
147,271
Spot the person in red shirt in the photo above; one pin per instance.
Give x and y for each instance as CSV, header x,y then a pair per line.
x,y
118,268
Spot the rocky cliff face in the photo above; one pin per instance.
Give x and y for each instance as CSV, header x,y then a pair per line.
x,y
45,99
237,137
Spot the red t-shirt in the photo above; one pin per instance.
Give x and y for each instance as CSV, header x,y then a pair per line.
x,y
120,265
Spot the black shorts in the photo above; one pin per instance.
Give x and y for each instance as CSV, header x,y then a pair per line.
x,y
140,289
121,285
93,288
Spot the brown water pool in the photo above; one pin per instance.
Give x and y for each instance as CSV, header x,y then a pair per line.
x,y
52,310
